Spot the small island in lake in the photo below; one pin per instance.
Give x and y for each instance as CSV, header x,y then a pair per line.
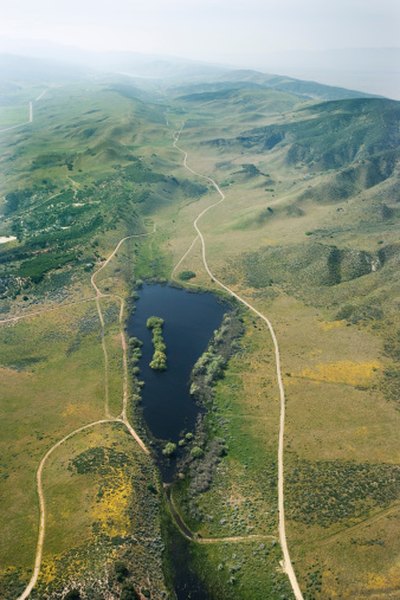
x,y
159,360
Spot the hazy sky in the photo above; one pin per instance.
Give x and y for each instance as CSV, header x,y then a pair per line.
x,y
235,31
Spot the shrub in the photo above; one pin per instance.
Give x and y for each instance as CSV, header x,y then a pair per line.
x,y
134,342
196,452
186,275
121,571
169,449
128,592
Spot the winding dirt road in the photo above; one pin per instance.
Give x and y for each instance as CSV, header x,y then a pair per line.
x,y
198,539
125,394
287,563
98,297
122,419
42,505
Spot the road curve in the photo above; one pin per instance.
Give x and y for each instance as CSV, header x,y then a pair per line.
x,y
198,539
125,395
42,505
123,419
287,563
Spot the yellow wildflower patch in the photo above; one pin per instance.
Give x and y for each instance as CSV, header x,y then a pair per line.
x,y
48,571
343,371
111,509
378,582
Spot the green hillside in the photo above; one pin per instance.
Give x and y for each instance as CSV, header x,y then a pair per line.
x,y
303,89
357,141
295,189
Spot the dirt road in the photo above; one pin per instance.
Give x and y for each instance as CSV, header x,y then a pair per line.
x,y
287,563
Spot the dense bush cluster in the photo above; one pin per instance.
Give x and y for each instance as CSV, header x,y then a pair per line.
x,y
98,460
159,360
368,311
392,345
210,366
186,275
390,380
206,452
325,492
390,384
202,471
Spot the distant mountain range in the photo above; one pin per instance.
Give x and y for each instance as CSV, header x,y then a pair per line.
x,y
159,71
375,70
370,70
303,89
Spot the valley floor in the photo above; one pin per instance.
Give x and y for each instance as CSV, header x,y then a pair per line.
x,y
304,503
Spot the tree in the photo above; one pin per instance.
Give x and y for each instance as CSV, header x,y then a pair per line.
x,y
196,452
169,449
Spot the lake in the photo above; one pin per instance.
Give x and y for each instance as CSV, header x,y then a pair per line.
x,y
168,409
189,322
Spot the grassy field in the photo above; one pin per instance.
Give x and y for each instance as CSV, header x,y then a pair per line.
x,y
43,401
341,429
10,116
312,247
53,383
242,498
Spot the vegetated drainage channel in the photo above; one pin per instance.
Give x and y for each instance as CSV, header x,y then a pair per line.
x,y
190,318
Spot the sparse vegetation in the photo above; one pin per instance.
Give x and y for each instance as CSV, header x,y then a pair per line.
x,y
325,492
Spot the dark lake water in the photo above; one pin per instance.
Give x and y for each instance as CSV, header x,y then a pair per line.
x,y
189,322
168,409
